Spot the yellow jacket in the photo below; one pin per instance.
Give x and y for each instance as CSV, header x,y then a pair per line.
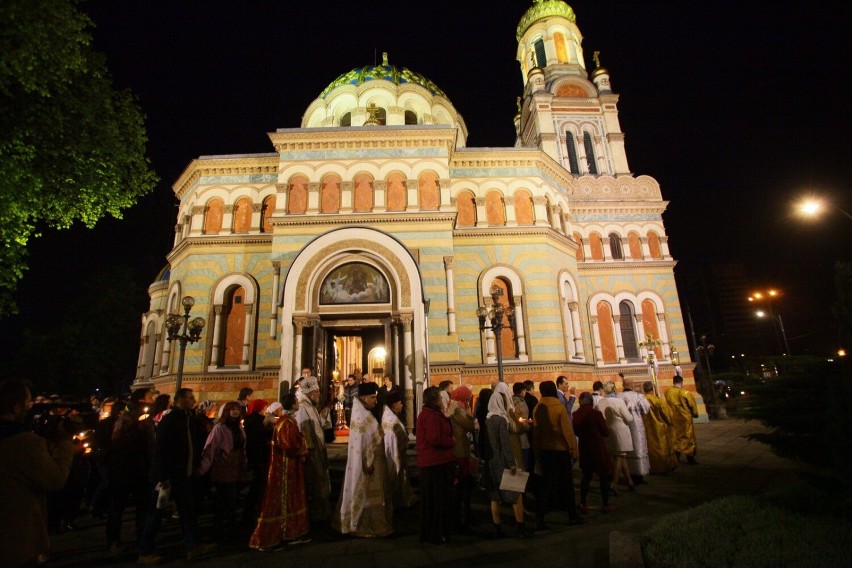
x,y
552,428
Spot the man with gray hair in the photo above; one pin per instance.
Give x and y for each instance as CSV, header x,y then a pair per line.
x,y
637,404
317,482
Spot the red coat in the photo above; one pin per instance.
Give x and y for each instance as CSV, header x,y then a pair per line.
x,y
435,440
590,427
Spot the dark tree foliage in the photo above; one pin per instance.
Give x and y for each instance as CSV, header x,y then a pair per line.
x,y
72,149
806,409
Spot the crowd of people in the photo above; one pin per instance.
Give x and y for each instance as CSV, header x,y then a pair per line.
x,y
172,457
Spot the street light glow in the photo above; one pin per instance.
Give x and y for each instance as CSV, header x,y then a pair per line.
x,y
810,207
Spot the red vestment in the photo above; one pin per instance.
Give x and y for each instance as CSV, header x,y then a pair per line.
x,y
284,511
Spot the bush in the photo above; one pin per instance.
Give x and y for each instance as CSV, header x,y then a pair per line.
x,y
746,531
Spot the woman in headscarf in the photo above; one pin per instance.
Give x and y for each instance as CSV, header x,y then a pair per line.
x,y
284,510
463,425
224,456
364,508
498,423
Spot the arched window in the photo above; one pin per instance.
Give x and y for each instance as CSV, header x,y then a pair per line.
x,y
234,327
297,198
346,119
573,162
396,192
589,145
410,117
495,209
615,246
596,246
561,51
466,206
508,341
654,245
215,211
581,256
330,195
242,215
540,56
266,211
524,208
627,323
150,350
649,323
363,198
609,353
430,192
635,245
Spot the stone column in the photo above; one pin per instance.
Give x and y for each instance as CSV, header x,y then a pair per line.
x,y
256,221
511,217
619,344
247,333
228,219
299,323
313,202
574,307
346,197
273,309
451,295
481,217
444,188
217,317
412,203
408,358
596,337
540,211
380,198
520,336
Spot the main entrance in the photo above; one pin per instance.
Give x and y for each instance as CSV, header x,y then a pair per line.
x,y
354,297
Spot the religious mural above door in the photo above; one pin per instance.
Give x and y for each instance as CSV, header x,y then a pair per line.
x,y
355,283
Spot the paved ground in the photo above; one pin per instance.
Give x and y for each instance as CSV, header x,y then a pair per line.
x,y
729,464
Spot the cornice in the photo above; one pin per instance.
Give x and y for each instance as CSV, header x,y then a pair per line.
x,y
220,241
489,232
363,218
367,138
512,158
606,207
621,266
222,166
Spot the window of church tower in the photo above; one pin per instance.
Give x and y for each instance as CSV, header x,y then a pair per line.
x,y
297,198
466,206
615,246
235,323
524,208
346,119
363,193
654,245
635,245
495,209
214,214
540,55
242,215
627,323
609,353
410,117
330,195
396,193
561,51
590,153
429,192
596,246
581,256
508,341
266,211
573,162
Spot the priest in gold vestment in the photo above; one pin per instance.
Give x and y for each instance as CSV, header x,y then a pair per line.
x,y
658,431
684,410
284,510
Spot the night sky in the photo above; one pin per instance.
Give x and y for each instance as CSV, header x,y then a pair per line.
x,y
735,108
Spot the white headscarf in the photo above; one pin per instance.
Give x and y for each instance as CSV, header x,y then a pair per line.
x,y
499,403
310,384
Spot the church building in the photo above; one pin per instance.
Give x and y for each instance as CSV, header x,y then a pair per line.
x,y
372,238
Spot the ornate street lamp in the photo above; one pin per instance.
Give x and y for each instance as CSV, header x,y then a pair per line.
x,y
650,344
492,318
183,330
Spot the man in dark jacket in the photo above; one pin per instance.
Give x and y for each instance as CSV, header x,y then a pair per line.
x,y
173,469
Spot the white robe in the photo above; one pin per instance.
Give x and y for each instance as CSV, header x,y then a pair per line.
x,y
396,446
364,507
638,405
317,481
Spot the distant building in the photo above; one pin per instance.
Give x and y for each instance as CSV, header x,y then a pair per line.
x,y
372,235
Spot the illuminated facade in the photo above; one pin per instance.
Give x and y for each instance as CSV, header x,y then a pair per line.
x,y
372,234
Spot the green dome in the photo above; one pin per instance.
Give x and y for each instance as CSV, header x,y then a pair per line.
x,y
542,9
385,72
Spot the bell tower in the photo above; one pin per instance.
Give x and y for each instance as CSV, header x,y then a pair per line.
x,y
563,111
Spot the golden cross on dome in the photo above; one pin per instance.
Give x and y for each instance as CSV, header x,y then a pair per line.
x,y
373,119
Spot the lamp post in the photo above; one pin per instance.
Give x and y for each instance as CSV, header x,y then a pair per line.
x,y
766,298
811,207
706,349
183,330
492,318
